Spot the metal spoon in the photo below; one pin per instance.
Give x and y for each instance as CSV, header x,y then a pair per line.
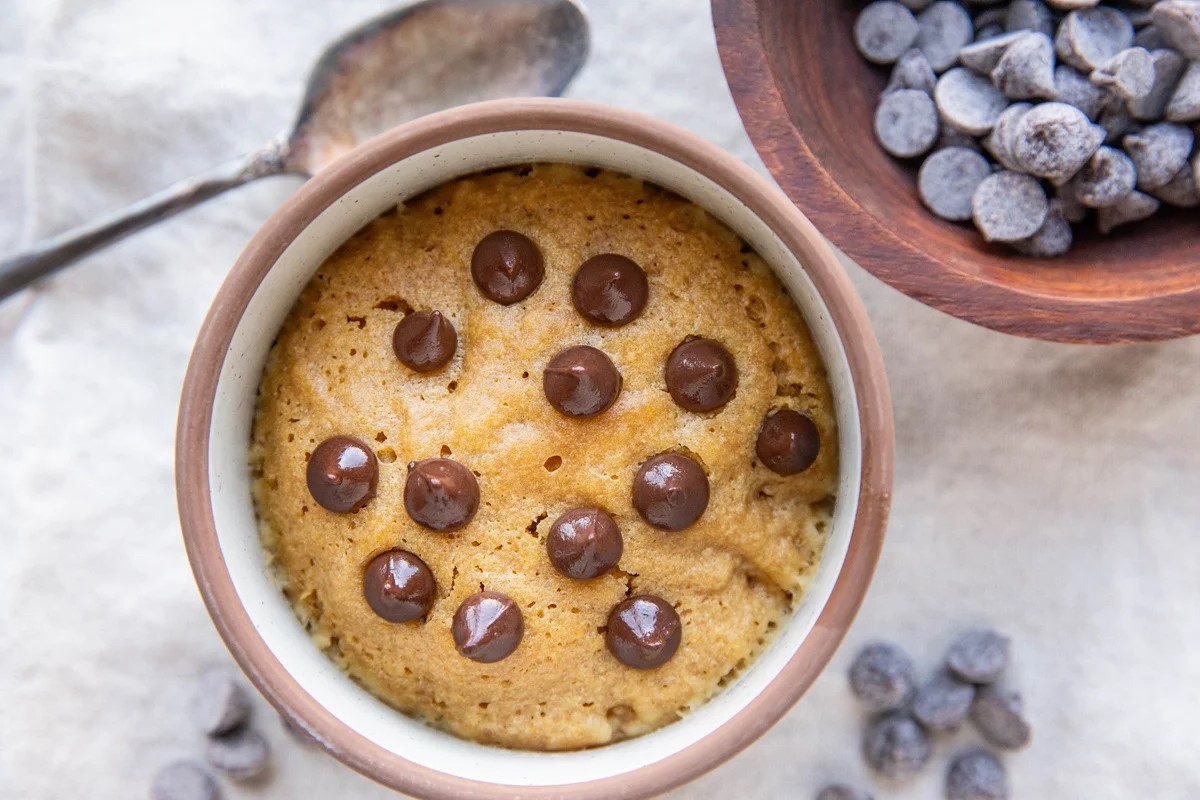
x,y
432,55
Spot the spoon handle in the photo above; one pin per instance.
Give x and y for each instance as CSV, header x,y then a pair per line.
x,y
56,252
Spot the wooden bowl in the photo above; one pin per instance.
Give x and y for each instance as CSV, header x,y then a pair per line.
x,y
808,99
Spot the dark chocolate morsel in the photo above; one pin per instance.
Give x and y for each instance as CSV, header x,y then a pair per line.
x,y
643,631
424,341
398,586
441,494
610,289
788,442
342,473
507,267
701,375
670,491
581,381
487,627
584,543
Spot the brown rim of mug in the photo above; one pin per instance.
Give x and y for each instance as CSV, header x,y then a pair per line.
x,y
797,233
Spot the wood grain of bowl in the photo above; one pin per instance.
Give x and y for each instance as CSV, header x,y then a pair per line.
x,y
808,99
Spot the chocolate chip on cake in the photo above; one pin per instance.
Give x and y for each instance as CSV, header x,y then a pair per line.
x,y
978,656
788,442
643,631
896,747
610,289
670,491
976,774
398,586
487,627
584,543
342,473
700,374
241,754
424,341
441,494
884,30
507,267
184,780
998,714
219,702
943,703
881,677
581,381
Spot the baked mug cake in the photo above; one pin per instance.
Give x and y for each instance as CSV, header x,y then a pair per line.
x,y
544,457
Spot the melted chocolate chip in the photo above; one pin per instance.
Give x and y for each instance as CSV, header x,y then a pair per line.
x,y
398,586
342,473
643,631
424,341
610,289
788,442
487,627
507,267
581,381
701,375
441,494
670,491
584,543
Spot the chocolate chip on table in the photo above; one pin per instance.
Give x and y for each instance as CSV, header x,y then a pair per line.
x,y
441,494
1179,23
610,289
507,267
1026,69
881,677
884,30
1184,103
1089,37
1054,140
643,631
912,71
424,341
1133,207
840,791
948,179
584,543
342,473
1009,206
906,123
943,703
241,754
1054,238
978,656
219,702
896,747
670,491
976,774
581,381
184,780
1076,89
700,374
788,442
487,627
944,28
398,586
968,101
1159,152
997,714
1105,179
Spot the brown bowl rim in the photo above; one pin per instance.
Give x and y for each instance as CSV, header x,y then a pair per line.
x,y
195,416
1000,307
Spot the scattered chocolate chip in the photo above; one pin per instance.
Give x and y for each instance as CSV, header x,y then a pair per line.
x,y
643,631
670,491
788,442
219,702
969,102
881,677
398,586
342,473
948,179
840,791
975,774
184,780
1159,152
487,627
1179,23
581,381
242,754
1009,206
507,267
1088,37
1133,207
906,123
700,374
896,747
943,703
998,716
884,30
424,341
978,656
943,29
440,494
584,543
610,290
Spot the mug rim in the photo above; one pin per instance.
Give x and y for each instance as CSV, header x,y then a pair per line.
x,y
851,326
